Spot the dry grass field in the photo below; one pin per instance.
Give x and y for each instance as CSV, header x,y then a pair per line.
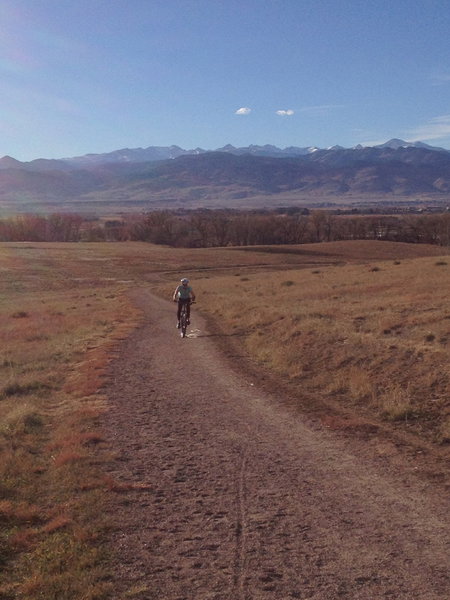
x,y
372,338
59,323
362,326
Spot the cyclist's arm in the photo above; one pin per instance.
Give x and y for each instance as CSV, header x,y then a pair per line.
x,y
192,295
175,294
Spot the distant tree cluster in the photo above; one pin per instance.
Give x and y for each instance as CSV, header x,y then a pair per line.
x,y
209,228
36,228
221,228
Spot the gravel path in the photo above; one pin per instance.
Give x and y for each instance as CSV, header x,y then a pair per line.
x,y
235,497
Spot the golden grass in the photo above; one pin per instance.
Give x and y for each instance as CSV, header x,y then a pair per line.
x,y
377,341
57,336
320,315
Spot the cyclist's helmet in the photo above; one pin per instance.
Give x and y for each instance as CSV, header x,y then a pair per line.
x,y
184,280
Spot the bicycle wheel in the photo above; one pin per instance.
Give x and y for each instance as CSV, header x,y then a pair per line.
x,y
183,320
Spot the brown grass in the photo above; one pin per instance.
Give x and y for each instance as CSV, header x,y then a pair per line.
x,y
333,318
58,334
373,340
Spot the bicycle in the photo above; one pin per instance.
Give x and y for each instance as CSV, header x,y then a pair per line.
x,y
184,319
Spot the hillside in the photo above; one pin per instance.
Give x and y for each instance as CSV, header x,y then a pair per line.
x,y
227,179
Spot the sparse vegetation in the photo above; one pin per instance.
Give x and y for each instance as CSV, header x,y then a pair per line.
x,y
396,404
20,314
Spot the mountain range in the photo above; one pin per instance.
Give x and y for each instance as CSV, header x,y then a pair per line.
x,y
248,177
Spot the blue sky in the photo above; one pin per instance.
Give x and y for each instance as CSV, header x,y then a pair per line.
x,y
80,76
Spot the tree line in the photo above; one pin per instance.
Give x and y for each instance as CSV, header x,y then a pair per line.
x,y
208,228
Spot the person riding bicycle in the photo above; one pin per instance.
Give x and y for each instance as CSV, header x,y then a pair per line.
x,y
184,294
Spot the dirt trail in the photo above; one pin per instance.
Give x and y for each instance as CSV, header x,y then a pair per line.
x,y
241,499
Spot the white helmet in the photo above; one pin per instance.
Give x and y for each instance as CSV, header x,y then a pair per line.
x,y
184,280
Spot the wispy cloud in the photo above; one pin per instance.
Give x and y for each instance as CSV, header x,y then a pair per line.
x,y
435,129
243,111
440,78
371,143
30,100
321,109
366,137
285,113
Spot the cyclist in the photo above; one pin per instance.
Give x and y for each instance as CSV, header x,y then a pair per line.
x,y
184,294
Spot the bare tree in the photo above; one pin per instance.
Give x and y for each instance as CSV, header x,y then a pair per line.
x,y
201,224
220,223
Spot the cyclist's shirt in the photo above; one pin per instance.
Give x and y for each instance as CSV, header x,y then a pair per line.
x,y
183,292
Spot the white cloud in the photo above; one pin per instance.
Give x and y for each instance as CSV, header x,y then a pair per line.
x,y
435,129
285,113
243,111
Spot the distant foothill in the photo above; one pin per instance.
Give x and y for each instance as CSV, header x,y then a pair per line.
x,y
251,177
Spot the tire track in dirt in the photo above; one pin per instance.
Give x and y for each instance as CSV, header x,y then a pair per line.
x,y
241,524
235,498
